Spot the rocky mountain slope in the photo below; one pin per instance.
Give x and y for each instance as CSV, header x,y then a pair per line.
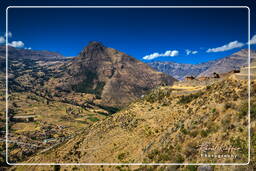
x,y
222,65
113,77
166,126
72,122
52,97
232,62
116,78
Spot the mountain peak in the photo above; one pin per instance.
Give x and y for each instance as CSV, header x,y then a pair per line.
x,y
93,47
95,44
112,75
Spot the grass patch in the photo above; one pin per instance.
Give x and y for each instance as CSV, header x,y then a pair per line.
x,y
93,119
189,98
158,95
241,144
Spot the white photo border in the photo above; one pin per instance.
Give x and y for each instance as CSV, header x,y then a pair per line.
x,y
114,164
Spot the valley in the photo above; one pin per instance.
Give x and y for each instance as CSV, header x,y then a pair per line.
x,y
104,106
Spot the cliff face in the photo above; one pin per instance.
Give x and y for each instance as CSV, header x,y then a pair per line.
x,y
113,76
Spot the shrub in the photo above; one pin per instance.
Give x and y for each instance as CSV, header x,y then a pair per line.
x,y
179,159
121,156
184,130
193,133
228,105
204,133
189,98
56,167
153,154
213,110
243,110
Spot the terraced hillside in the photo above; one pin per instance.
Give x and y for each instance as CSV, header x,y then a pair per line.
x,y
37,121
245,70
166,127
53,98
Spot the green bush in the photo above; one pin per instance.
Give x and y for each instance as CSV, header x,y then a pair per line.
x,y
213,110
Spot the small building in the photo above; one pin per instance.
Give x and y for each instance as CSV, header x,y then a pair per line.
x,y
235,71
215,75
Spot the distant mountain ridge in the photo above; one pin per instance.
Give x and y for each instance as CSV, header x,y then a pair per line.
x,y
15,53
222,65
179,70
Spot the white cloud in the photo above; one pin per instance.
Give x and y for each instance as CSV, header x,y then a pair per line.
x,y
253,40
9,34
188,52
229,46
156,54
17,44
2,39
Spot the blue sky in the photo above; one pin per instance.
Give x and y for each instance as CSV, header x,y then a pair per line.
x,y
179,35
